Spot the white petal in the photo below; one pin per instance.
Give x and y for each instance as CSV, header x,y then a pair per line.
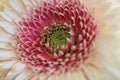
x,y
2,31
100,74
25,75
6,38
17,6
15,71
5,68
34,2
27,3
60,77
11,28
114,71
5,16
12,14
96,68
81,76
8,65
35,78
7,54
51,78
75,76
5,45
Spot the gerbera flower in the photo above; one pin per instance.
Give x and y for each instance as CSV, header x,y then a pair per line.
x,y
60,40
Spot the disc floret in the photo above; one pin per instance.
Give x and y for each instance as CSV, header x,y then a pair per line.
x,y
58,35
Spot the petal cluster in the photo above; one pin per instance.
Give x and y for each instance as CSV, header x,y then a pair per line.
x,y
82,30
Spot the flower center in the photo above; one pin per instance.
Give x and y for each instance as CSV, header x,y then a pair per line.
x,y
57,36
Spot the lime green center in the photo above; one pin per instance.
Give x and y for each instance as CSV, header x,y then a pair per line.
x,y
58,37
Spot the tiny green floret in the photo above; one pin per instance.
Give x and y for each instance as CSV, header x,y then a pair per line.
x,y
58,36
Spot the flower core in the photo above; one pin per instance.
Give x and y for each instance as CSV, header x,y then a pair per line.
x,y
57,36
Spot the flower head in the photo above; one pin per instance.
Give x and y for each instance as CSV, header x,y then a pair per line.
x,y
56,35
58,39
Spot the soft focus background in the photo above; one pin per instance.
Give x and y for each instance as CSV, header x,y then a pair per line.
x,y
3,3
